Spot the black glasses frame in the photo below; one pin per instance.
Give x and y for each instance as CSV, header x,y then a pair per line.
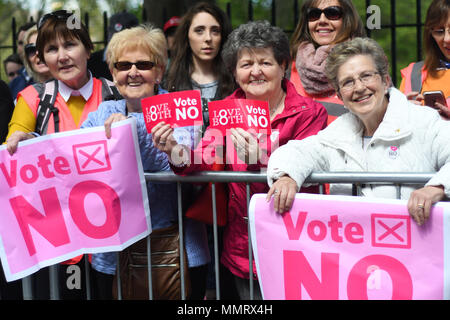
x,y
30,49
140,65
60,15
13,73
332,13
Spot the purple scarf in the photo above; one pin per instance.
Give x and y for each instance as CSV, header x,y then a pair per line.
x,y
310,64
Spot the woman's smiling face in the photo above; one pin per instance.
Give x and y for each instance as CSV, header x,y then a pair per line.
x,y
367,97
325,31
135,84
258,73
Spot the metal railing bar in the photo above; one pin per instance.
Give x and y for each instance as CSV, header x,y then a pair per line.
x,y
398,189
119,284
88,279
54,282
321,189
216,240
149,268
250,251
325,177
180,228
358,190
27,288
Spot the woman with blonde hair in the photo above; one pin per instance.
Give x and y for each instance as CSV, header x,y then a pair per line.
x,y
137,58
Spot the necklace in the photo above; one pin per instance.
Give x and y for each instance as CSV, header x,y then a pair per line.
x,y
273,112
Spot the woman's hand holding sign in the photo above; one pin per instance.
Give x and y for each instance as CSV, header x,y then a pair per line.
x,y
15,138
283,191
246,146
163,139
162,136
115,117
421,201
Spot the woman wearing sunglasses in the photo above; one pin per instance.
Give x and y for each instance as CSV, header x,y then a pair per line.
x,y
433,74
36,68
65,52
137,58
322,24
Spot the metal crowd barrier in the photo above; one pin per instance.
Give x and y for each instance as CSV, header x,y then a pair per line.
x,y
357,179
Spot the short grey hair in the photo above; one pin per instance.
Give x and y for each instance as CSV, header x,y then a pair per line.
x,y
256,35
342,52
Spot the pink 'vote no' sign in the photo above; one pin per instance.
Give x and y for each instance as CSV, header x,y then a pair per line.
x,y
341,247
239,113
70,193
179,109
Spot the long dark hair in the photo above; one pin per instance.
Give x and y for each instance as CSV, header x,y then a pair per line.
x,y
352,25
437,14
180,69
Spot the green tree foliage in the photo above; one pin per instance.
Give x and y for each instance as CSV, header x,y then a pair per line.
x,y
9,9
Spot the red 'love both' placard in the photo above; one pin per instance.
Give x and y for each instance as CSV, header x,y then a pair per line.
x,y
179,109
239,113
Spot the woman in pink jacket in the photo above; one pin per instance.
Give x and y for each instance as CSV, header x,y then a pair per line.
x,y
257,54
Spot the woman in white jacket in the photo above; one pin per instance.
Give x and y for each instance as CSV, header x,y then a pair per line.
x,y
383,132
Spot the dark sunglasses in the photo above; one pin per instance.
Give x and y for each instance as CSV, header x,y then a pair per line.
x,y
30,49
140,65
60,15
332,13
14,73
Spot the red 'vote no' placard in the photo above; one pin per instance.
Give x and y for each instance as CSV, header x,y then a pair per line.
x,y
239,113
179,109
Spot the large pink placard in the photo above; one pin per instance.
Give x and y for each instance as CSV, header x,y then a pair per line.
x,y
70,193
338,247
179,109
240,113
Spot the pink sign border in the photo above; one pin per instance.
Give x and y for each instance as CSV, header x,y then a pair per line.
x,y
131,122
446,225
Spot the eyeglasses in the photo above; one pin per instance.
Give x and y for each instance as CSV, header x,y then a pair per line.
x,y
30,49
140,65
332,13
366,79
60,14
13,73
439,33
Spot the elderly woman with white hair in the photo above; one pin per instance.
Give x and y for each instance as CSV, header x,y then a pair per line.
x,y
381,119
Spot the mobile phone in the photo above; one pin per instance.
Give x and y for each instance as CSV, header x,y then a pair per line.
x,y
431,97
